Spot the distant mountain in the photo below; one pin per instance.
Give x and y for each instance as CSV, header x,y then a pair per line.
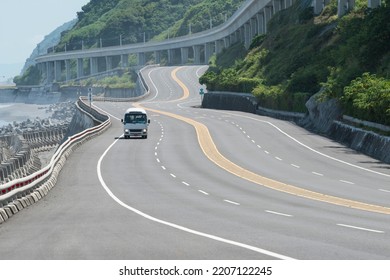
x,y
48,43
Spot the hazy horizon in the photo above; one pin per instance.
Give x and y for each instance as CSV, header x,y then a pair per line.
x,y
24,24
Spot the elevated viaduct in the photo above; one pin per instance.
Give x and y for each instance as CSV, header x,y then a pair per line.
x,y
248,21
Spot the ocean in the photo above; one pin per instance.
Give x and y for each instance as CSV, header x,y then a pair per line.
x,y
10,112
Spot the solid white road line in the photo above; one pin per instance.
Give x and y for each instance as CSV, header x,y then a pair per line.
x,y
175,226
308,147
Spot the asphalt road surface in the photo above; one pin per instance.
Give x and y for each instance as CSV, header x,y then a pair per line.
x,y
206,184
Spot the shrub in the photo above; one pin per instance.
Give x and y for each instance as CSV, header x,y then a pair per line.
x,y
32,76
368,98
270,96
304,80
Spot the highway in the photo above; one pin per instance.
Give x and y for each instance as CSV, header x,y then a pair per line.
x,y
206,184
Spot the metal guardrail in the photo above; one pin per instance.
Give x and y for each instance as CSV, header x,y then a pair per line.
x,y
18,193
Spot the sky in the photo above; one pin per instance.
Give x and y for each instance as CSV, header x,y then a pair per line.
x,y
24,23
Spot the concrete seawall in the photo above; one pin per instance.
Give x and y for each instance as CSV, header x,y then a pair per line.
x,y
321,118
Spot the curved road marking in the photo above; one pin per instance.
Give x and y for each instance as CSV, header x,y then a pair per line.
x,y
186,92
210,150
172,225
309,148
188,230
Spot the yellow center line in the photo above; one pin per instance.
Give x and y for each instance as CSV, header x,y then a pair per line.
x,y
210,150
186,92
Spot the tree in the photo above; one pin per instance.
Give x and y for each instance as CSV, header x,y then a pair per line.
x,y
32,76
368,98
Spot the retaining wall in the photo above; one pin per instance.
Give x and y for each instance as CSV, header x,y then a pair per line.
x,y
322,117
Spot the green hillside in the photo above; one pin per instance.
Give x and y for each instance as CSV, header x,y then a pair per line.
x,y
104,23
133,21
347,58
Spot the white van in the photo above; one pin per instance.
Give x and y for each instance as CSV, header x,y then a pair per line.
x,y
135,123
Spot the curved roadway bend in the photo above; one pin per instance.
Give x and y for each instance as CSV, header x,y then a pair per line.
x,y
207,184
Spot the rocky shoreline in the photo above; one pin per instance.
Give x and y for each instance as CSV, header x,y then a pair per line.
x,y
28,145
60,114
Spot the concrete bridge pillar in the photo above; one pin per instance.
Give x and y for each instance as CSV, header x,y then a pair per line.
x,y
208,52
157,57
197,50
233,38
344,6
141,59
374,3
289,3
171,55
226,42
42,67
80,68
57,70
50,71
124,60
67,70
184,55
219,46
247,35
254,27
268,13
260,23
94,65
277,5
242,34
318,6
108,63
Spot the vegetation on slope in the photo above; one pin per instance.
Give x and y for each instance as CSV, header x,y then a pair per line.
x,y
32,76
103,23
347,58
107,23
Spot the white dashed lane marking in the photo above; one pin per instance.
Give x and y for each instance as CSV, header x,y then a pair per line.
x,y
361,228
278,213
269,211
231,202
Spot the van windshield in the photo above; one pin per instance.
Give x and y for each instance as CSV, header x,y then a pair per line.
x,y
135,118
